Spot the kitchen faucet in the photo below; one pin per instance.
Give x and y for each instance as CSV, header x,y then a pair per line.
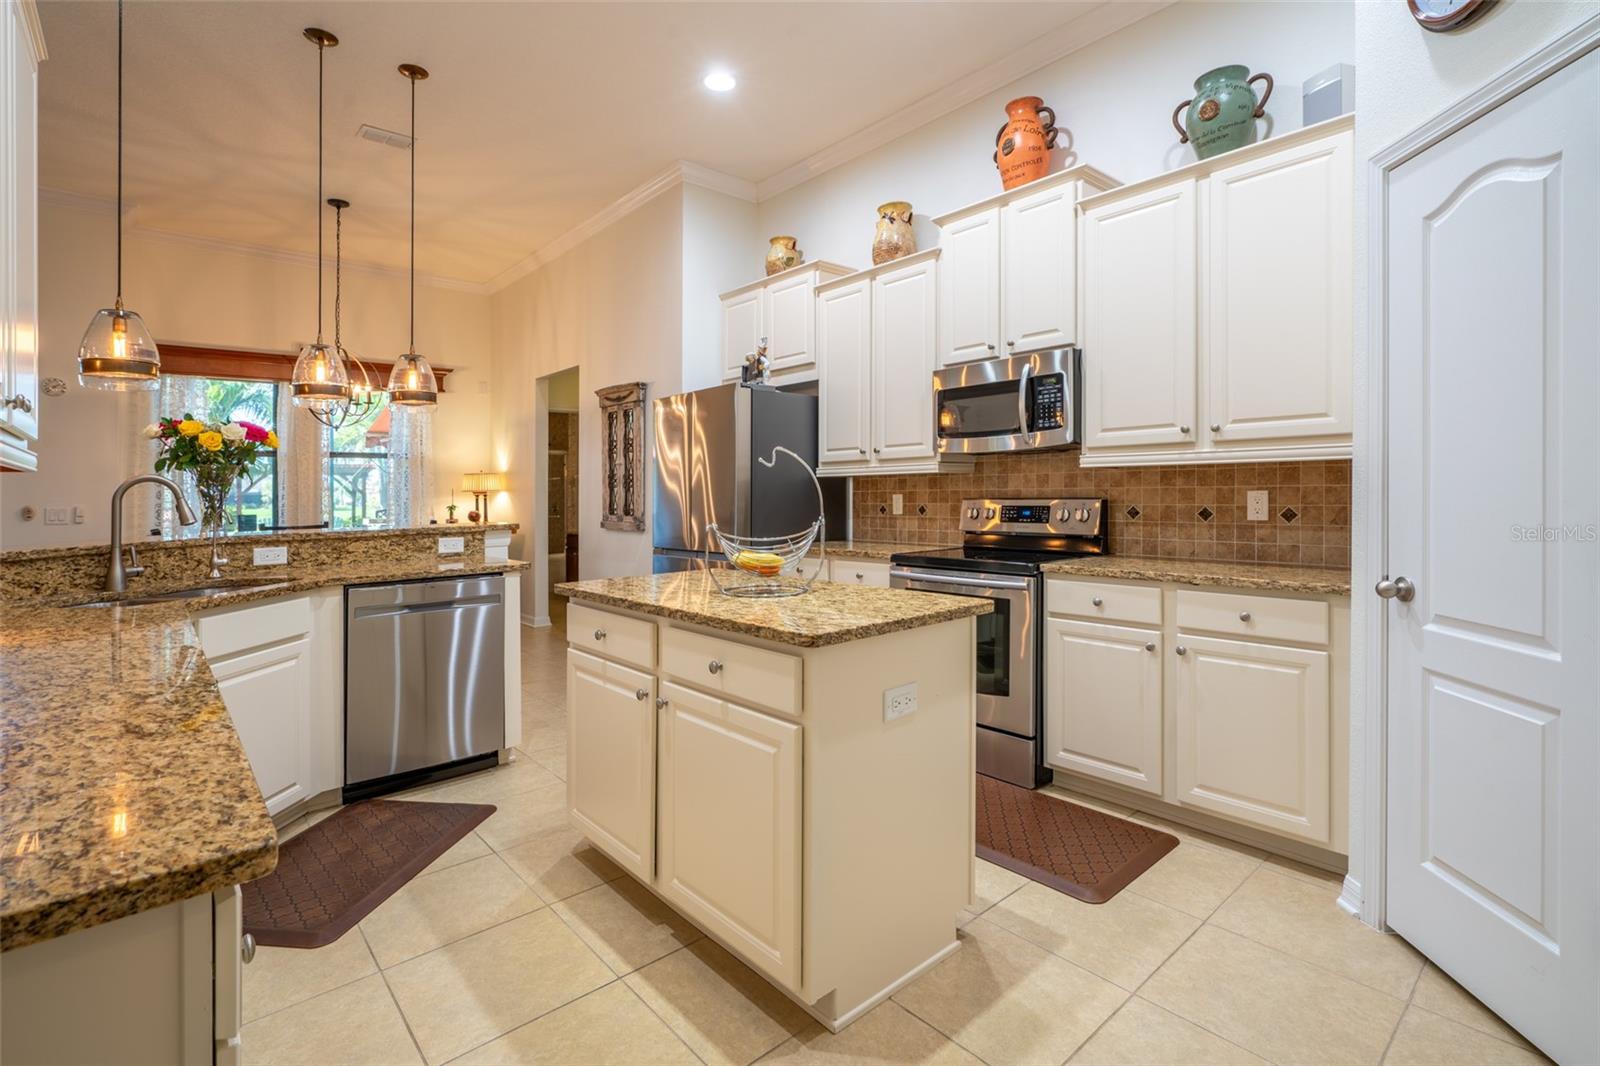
x,y
117,574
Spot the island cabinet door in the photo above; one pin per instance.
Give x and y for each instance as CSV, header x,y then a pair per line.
x,y
730,826
1252,733
1103,702
611,759
268,693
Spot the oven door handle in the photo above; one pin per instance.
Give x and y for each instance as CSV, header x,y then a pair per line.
x,y
953,579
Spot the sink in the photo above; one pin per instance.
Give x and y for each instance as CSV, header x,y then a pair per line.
x,y
200,592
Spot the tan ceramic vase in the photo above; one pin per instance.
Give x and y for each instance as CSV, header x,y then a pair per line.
x,y
893,239
782,255
1022,147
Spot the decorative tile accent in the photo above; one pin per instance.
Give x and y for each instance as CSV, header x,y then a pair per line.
x,y
922,508
1152,509
1288,514
1205,514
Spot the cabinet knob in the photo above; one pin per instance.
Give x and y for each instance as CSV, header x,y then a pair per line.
x,y
641,694
1011,344
863,451
1181,650
1244,616
877,451
1184,430
661,702
714,666
247,948
860,576
599,634
1216,427
989,346
1098,602
1150,645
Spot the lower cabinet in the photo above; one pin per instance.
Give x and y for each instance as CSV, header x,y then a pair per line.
x,y
1253,735
729,849
611,758
1103,703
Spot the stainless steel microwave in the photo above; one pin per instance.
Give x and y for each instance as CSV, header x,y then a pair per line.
x,y
1017,404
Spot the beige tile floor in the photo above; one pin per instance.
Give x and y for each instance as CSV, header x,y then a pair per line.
x,y
523,945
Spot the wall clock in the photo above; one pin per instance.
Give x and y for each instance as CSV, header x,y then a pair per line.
x,y
1445,14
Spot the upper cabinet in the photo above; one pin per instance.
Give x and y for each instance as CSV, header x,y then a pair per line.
x,y
1008,269
876,348
1217,307
21,51
780,309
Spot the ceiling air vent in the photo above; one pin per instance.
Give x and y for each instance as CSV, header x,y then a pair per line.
x,y
383,136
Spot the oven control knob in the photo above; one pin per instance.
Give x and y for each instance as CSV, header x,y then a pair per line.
x,y
972,512
1083,514
988,512
1066,514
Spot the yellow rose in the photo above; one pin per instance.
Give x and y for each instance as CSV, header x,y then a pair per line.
x,y
190,428
211,441
272,439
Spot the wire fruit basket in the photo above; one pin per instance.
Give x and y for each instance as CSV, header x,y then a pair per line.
x,y
768,566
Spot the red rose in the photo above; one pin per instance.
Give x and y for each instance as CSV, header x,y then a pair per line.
x,y
253,432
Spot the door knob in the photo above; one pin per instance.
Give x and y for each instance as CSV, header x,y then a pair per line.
x,y
247,948
1398,589
714,666
1150,645
1181,650
599,634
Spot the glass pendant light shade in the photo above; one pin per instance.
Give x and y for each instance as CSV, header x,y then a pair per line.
x,y
320,380
411,382
118,354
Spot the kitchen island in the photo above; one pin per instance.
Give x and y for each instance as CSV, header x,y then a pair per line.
x,y
793,775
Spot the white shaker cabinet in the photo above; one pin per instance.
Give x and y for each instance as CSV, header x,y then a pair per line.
x,y
611,758
1139,325
1217,317
902,373
21,51
780,309
741,329
729,849
1009,269
844,373
1252,733
1103,701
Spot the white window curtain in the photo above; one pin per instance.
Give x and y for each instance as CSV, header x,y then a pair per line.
x,y
302,462
178,396
410,445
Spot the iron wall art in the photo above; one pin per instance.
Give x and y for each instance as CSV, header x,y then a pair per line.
x,y
622,439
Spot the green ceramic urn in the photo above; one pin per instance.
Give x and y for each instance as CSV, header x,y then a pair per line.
x,y
1222,116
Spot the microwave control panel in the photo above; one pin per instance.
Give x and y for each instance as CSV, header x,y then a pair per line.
x,y
1046,403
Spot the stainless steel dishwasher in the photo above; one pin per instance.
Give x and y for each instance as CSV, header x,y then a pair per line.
x,y
425,681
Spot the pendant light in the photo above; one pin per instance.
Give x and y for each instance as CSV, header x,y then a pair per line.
x,y
411,382
117,353
365,392
320,380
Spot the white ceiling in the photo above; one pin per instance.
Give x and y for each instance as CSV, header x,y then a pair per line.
x,y
536,116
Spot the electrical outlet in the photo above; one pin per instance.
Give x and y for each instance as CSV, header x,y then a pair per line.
x,y
899,701
452,545
277,556
897,503
1255,505
55,516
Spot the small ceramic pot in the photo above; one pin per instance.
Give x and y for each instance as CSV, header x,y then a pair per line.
x,y
893,238
1022,147
1222,116
782,255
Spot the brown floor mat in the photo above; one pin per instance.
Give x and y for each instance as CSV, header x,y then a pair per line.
x,y
332,875
1072,849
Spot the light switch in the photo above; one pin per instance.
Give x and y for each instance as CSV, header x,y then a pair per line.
x,y
897,503
1255,508
55,516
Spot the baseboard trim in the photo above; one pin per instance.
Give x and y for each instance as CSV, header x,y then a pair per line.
x,y
1350,897
835,1025
536,621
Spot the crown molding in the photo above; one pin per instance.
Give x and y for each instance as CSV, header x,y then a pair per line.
x,y
679,173
1041,51
28,12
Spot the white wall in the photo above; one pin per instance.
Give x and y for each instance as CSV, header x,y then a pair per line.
x,y
720,252
613,306
1405,76
1115,97
193,293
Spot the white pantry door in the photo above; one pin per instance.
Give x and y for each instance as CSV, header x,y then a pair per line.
x,y
1493,245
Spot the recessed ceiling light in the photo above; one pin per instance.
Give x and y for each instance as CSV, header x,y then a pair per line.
x,y
720,81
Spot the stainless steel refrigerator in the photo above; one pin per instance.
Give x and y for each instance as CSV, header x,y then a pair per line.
x,y
707,444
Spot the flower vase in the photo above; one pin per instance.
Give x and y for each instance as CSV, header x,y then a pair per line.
x,y
212,484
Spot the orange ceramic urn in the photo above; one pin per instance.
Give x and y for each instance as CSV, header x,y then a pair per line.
x,y
1022,147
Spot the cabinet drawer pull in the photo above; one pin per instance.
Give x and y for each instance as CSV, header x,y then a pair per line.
x,y
247,948
1181,650
860,576
1098,602
1244,616
599,634
661,703
1216,427
714,666
1149,645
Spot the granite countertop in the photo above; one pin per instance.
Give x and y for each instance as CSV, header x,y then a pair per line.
x,y
875,549
1278,577
123,786
263,538
828,614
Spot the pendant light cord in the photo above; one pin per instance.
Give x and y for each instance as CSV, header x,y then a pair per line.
x,y
119,155
413,344
321,50
338,271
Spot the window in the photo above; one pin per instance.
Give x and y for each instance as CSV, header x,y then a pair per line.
x,y
361,490
254,502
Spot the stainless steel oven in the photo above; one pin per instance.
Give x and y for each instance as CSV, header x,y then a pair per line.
x,y
1026,402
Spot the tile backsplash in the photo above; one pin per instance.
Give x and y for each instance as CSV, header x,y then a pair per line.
x,y
1155,511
